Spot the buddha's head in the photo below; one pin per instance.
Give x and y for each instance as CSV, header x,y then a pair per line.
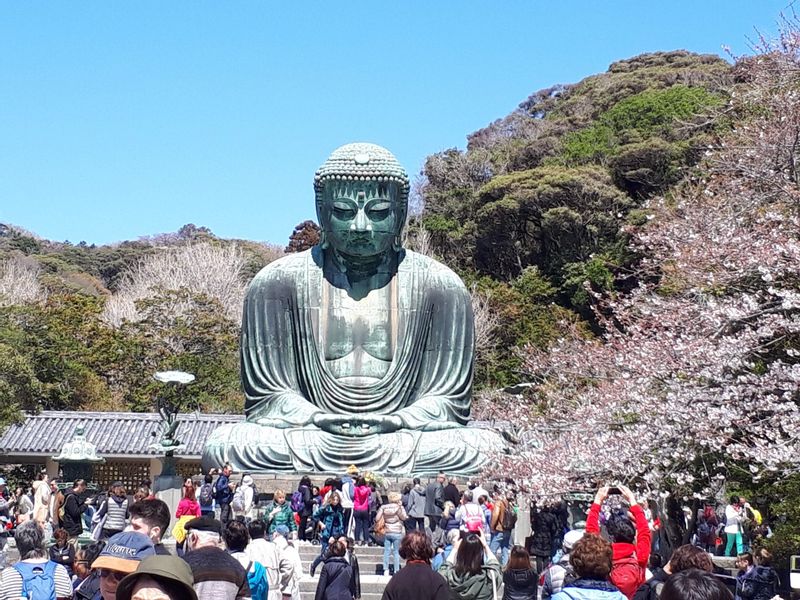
x,y
362,200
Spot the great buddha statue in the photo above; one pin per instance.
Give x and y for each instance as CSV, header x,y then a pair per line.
x,y
356,351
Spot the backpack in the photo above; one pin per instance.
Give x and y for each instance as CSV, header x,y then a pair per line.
x,y
206,495
38,580
627,575
237,503
297,501
257,580
509,518
473,521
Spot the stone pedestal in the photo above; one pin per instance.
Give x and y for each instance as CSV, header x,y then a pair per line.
x,y
168,487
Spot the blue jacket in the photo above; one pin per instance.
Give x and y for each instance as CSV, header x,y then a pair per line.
x,y
222,493
589,589
333,519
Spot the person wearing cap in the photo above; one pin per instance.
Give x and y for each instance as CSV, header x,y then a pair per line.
x,y
291,566
157,577
216,573
562,572
31,545
121,556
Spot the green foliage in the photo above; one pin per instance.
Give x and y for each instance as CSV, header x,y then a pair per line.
x,y
594,272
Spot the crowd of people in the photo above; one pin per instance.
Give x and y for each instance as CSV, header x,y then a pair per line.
x,y
456,543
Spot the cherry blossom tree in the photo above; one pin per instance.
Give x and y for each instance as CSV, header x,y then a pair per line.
x,y
698,367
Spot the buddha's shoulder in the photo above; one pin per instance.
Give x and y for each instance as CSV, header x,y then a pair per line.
x,y
285,270
433,269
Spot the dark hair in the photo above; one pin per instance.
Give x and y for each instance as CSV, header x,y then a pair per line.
x,y
29,537
469,559
746,556
763,557
78,482
92,551
694,584
591,557
655,561
306,481
337,548
60,535
416,546
236,536
734,499
416,480
154,512
208,478
620,528
256,529
519,559
690,557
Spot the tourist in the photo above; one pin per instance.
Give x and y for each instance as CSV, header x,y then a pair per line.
x,y
416,581
544,524
336,579
393,516
291,564
223,493
158,578
34,568
361,517
761,581
434,501
120,556
23,505
244,499
416,506
561,573
206,496
188,509
733,527
443,552
55,504
113,513
706,531
744,563
694,584
331,525
519,578
450,492
472,572
470,515
306,506
236,539
592,559
501,526
263,551
279,512
478,490
347,488
75,504
352,560
375,501
631,543
448,520
62,552
41,503
216,573
150,517
87,581
684,557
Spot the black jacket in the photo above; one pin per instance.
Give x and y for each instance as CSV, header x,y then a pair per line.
x,y
651,589
336,582
545,529
452,494
74,507
416,581
520,584
760,583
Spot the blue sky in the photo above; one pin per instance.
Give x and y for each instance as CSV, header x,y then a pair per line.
x,y
119,120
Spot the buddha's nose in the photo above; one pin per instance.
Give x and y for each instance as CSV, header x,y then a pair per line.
x,y
361,222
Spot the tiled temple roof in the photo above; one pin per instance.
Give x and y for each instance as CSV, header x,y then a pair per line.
x,y
122,434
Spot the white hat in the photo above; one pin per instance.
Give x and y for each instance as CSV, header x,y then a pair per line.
x,y
571,537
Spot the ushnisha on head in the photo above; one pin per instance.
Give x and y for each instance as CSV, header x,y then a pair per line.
x,y
362,199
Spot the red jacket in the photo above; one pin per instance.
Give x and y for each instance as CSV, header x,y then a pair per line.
x,y
630,561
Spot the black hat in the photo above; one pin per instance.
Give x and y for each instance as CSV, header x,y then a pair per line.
x,y
206,523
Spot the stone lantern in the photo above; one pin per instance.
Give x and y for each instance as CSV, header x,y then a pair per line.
x,y
78,457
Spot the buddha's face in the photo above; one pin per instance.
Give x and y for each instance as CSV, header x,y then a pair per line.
x,y
361,219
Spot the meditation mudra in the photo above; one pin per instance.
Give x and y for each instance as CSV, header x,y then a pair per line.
x,y
357,350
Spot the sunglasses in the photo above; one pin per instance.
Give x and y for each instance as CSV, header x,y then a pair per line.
x,y
111,574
